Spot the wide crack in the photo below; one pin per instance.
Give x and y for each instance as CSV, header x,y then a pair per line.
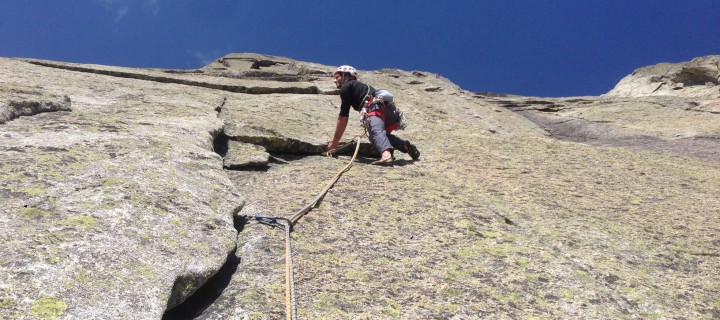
x,y
209,291
212,289
279,151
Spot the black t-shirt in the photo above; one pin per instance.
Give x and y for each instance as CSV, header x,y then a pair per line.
x,y
352,94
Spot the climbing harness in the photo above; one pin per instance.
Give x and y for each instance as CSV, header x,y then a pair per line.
x,y
381,104
288,223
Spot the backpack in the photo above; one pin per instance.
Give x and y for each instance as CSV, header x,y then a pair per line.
x,y
385,100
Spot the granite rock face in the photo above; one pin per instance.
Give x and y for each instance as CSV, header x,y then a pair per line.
x,y
131,194
18,100
699,78
114,205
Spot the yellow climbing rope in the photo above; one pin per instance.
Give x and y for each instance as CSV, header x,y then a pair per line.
x,y
288,223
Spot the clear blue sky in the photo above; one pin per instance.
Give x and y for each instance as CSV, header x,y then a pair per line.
x,y
528,47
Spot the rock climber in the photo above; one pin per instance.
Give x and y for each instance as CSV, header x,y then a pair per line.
x,y
362,98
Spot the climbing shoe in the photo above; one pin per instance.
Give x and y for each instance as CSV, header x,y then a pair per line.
x,y
384,162
412,150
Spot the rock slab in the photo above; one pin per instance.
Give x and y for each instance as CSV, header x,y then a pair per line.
x,y
134,191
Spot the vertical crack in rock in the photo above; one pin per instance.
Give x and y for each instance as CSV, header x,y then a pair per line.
x,y
219,108
220,144
208,292
192,294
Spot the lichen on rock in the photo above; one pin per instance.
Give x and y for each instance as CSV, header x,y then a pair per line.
x,y
520,207
49,308
17,100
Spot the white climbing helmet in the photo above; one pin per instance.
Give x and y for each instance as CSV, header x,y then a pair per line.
x,y
346,69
